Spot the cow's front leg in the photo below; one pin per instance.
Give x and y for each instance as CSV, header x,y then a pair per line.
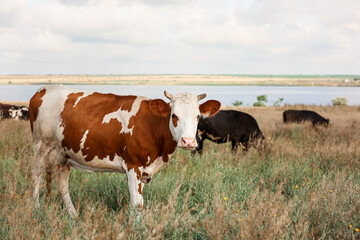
x,y
135,188
199,148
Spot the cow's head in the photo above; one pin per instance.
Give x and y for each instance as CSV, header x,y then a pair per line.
x,y
184,110
327,121
19,113
15,113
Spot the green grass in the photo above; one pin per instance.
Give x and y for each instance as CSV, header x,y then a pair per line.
x,y
304,185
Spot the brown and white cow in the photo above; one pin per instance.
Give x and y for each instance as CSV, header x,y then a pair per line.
x,y
98,132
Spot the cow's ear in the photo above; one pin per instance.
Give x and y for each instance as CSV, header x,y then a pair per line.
x,y
160,107
209,108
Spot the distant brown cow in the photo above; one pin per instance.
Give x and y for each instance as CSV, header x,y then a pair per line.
x,y
299,116
8,111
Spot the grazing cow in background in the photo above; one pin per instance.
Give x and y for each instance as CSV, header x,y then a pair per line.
x,y
98,132
8,111
229,125
298,116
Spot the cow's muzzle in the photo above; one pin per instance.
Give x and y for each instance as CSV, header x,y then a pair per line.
x,y
188,143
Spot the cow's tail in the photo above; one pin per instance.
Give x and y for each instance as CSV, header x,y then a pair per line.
x,y
45,158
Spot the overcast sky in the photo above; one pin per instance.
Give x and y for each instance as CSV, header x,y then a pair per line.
x,y
179,37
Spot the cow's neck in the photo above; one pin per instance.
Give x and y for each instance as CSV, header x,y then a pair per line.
x,y
163,137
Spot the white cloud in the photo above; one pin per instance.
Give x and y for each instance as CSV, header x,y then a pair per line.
x,y
10,12
179,36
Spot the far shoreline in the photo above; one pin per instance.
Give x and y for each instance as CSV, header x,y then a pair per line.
x,y
200,80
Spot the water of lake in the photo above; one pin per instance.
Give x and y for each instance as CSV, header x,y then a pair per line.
x,y
226,94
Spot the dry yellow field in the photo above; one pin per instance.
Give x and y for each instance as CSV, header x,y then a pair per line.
x,y
183,79
305,184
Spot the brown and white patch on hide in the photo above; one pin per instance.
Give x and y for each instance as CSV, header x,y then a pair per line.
x,y
124,115
86,116
34,105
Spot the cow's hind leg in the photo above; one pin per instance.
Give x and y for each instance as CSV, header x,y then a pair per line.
x,y
46,156
41,152
48,182
62,182
37,176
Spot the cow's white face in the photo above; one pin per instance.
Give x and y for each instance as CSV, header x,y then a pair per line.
x,y
184,119
184,110
15,113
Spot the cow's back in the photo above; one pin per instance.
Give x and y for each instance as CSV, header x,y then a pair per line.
x,y
247,122
294,116
89,127
230,122
59,114
298,116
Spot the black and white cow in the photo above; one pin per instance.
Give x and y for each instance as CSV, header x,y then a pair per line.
x,y
8,111
229,125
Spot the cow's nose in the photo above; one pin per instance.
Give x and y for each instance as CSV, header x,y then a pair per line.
x,y
188,142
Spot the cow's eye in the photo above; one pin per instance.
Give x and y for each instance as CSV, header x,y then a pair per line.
x,y
198,117
175,120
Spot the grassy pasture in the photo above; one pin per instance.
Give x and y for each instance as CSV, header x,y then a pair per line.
x,y
304,185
